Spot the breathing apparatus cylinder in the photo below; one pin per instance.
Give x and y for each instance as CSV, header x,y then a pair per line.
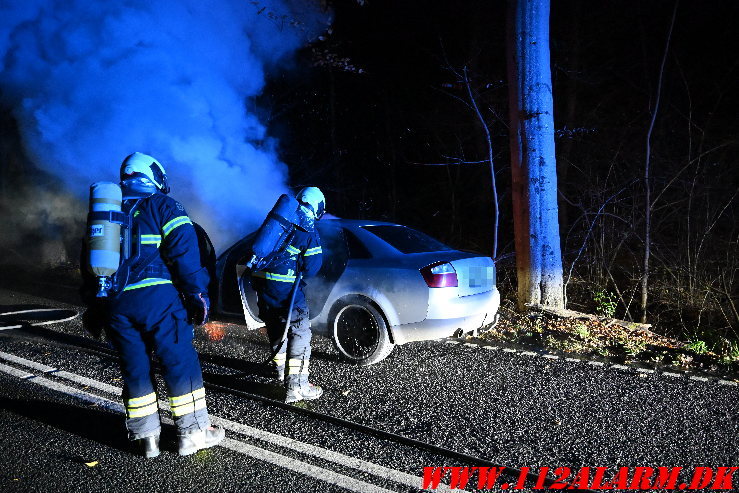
x,y
104,233
278,223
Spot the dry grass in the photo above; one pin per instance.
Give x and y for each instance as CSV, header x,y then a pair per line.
x,y
601,338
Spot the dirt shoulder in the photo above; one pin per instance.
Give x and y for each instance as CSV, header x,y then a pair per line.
x,y
603,338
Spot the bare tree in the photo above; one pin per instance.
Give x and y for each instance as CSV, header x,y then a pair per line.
x,y
534,187
649,205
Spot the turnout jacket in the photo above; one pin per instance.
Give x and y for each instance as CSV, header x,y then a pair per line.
x,y
275,281
162,223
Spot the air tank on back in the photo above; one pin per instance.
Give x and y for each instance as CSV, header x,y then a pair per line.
x,y
103,235
280,220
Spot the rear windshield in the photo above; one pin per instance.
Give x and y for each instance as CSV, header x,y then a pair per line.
x,y
407,240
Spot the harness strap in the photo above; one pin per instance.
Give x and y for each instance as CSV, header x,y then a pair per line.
x,y
116,217
145,264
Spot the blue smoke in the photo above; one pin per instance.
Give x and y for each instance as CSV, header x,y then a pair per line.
x,y
91,82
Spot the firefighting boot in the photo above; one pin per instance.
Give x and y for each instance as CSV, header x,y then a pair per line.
x,y
192,441
148,446
299,389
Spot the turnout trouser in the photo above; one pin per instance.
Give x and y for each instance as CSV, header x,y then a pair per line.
x,y
295,351
153,320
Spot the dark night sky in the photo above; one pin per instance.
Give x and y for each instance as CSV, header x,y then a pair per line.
x,y
376,125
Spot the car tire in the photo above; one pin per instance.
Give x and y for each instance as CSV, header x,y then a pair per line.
x,y
359,331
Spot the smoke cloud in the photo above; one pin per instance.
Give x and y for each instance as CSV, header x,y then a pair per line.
x,y
90,82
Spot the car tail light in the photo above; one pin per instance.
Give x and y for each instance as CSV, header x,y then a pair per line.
x,y
440,275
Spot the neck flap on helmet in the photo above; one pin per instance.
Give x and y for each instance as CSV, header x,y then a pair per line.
x,y
306,217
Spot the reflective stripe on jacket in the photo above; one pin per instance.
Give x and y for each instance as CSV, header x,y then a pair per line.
x,y
163,223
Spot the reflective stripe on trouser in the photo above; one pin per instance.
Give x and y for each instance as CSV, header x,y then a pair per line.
x,y
153,319
189,403
297,366
281,356
144,411
139,407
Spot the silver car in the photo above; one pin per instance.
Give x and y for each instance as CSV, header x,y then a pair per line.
x,y
381,284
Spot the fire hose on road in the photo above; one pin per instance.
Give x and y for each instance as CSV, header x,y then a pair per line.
x,y
66,317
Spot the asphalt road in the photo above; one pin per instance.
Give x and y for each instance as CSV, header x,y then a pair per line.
x,y
508,407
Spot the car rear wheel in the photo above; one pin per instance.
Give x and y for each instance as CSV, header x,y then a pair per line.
x,y
359,331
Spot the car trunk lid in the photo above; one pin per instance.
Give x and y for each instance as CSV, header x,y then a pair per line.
x,y
474,275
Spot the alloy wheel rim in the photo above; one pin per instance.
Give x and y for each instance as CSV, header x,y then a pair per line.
x,y
356,331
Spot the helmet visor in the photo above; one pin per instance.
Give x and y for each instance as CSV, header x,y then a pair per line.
x,y
317,214
321,210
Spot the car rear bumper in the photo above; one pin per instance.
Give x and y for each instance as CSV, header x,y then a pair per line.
x,y
446,316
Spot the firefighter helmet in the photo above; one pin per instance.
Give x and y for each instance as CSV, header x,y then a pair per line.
x,y
313,199
312,207
144,167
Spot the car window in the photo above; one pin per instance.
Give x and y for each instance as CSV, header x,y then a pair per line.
x,y
356,247
335,253
407,240
334,249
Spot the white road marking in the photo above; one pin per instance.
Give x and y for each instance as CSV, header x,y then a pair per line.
x,y
303,467
26,362
265,455
65,389
34,310
640,371
61,374
322,453
256,452
89,382
15,372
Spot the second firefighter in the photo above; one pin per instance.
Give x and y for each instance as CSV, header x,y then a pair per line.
x,y
274,282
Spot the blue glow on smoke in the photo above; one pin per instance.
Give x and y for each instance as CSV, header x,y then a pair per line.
x,y
91,82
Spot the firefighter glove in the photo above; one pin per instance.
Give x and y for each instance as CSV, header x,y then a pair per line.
x,y
198,308
93,320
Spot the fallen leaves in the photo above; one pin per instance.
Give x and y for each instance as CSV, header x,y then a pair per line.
x,y
599,337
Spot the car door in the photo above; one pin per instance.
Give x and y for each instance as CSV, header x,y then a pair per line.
x,y
317,289
335,258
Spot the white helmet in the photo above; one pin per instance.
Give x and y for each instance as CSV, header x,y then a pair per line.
x,y
313,199
144,167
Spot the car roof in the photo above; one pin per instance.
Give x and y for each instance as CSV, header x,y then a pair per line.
x,y
376,244
356,223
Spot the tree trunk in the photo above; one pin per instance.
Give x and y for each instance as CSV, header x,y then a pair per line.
x,y
533,164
